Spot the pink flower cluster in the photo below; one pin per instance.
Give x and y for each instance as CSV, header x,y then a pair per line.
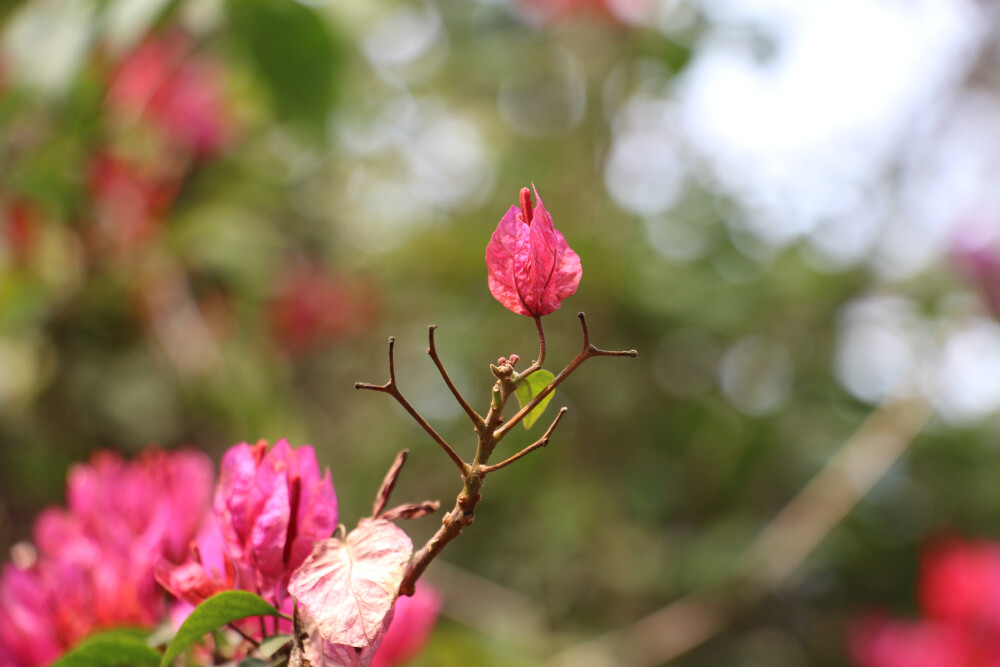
x,y
93,562
270,508
959,595
132,527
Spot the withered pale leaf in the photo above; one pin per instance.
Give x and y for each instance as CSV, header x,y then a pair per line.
x,y
348,587
311,650
412,510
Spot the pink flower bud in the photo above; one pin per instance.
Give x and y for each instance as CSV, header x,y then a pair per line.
x,y
530,267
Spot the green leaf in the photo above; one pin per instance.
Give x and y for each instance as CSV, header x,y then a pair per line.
x,y
114,648
213,613
294,54
530,387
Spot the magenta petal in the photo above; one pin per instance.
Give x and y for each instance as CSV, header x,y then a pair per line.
x,y
500,263
304,464
269,533
189,582
188,479
27,635
876,642
237,474
317,519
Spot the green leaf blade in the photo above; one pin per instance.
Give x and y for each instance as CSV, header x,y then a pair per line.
x,y
115,648
530,387
213,613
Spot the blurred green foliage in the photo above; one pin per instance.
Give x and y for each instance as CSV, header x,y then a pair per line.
x,y
334,212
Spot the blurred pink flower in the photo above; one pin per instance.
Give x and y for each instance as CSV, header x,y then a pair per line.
x,y
530,267
95,559
179,93
311,307
877,641
960,583
19,226
974,248
128,200
412,624
960,598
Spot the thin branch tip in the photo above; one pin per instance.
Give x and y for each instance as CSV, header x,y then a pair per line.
x,y
538,444
477,420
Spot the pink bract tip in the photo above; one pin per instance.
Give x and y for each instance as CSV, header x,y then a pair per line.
x,y
526,213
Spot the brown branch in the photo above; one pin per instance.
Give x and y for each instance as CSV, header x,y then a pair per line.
x,y
541,442
391,389
245,636
537,363
477,420
588,352
451,527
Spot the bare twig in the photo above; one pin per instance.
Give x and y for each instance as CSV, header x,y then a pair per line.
x,y
477,420
245,636
489,434
776,553
537,363
588,352
391,389
541,442
389,483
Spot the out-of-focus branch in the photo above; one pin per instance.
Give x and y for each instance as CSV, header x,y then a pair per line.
x,y
776,553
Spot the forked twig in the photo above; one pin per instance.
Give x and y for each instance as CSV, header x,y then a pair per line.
x,y
391,389
489,432
589,351
541,442
477,420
